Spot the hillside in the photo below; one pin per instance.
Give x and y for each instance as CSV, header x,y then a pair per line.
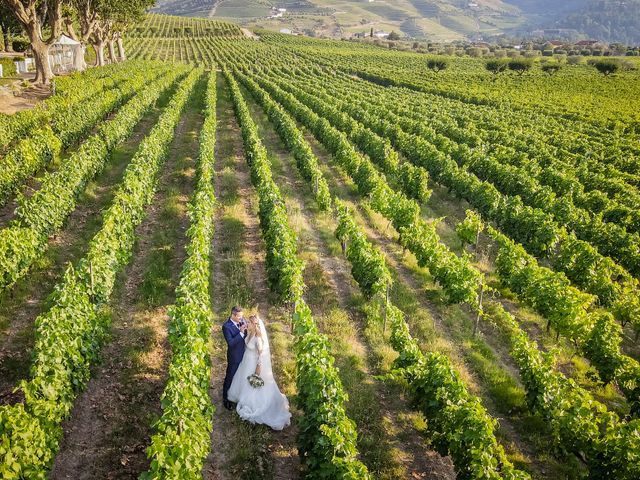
x,y
610,20
439,20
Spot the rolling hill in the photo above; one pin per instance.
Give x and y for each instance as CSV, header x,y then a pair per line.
x,y
439,20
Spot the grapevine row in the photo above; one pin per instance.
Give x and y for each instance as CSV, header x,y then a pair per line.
x,y
45,211
182,441
552,296
69,91
69,334
486,459
327,437
459,280
36,151
611,451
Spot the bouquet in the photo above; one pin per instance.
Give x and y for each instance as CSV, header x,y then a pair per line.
x,y
255,380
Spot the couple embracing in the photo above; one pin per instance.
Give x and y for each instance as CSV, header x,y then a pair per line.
x,y
249,385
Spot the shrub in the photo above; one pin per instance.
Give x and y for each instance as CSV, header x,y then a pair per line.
x,y
21,44
437,64
8,67
551,68
607,67
520,65
574,60
394,35
496,66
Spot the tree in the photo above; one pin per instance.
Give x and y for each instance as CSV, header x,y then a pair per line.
x,y
114,17
9,25
607,67
520,65
128,13
86,14
371,33
36,18
393,35
551,68
437,64
496,66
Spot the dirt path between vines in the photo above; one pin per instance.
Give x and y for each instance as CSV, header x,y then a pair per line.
x,y
112,420
28,298
408,446
395,261
238,449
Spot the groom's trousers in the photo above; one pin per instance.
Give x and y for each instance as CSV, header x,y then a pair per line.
x,y
232,368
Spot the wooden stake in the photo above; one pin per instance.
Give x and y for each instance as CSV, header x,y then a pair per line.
x,y
477,323
386,303
91,276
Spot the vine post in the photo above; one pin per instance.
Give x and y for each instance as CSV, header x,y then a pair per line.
x,y
477,322
386,307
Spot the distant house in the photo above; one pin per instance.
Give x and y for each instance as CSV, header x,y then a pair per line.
x,y
380,34
286,30
359,35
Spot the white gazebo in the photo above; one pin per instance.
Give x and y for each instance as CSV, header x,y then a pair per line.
x,y
66,55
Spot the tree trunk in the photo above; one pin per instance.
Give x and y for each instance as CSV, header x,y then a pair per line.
x,y
120,44
8,42
99,48
112,51
81,63
44,74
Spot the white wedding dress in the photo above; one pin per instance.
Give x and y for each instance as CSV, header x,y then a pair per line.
x,y
266,404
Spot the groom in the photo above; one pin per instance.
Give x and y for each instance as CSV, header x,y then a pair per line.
x,y
234,331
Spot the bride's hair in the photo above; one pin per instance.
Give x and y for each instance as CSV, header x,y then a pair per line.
x,y
253,321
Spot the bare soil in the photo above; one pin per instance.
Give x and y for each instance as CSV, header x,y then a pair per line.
x,y
418,461
239,449
111,424
24,301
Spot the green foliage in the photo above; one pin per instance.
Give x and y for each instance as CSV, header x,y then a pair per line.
x,y
567,310
45,211
26,158
69,334
284,269
607,66
393,35
8,67
327,437
306,161
551,68
458,278
458,423
182,442
437,64
520,65
469,229
496,66
368,265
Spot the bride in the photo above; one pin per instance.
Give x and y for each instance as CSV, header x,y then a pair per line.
x,y
258,404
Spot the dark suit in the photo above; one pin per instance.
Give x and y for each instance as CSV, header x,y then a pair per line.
x,y
235,352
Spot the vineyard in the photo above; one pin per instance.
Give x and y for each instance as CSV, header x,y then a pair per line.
x,y
448,264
